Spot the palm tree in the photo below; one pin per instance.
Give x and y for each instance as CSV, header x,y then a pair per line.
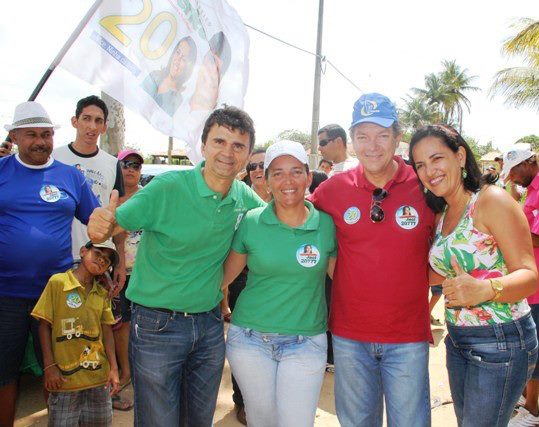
x,y
445,91
418,113
520,85
456,81
434,94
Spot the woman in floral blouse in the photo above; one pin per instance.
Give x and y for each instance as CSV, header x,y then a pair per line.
x,y
482,255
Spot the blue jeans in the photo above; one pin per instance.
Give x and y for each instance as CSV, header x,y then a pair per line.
x,y
15,325
280,376
488,368
366,372
162,348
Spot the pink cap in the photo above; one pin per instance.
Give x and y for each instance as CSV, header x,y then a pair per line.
x,y
123,154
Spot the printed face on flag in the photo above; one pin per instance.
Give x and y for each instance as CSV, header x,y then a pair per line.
x,y
171,62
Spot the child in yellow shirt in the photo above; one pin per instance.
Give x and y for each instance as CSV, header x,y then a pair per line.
x,y
79,361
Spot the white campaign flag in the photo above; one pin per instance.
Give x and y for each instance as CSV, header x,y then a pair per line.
x,y
170,61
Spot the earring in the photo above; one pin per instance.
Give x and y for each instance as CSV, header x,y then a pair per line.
x,y
425,190
464,173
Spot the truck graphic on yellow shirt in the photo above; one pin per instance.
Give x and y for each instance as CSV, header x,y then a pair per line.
x,y
73,328
89,358
69,328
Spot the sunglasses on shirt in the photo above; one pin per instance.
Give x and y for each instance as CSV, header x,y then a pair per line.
x,y
130,165
324,142
252,166
377,213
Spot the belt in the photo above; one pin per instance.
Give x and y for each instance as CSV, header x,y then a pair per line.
x,y
173,312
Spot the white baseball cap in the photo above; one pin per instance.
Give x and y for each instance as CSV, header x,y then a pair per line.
x,y
516,155
30,114
285,148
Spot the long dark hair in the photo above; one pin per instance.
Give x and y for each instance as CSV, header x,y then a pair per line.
x,y
182,79
453,140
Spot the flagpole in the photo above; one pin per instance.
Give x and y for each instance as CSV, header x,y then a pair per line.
x,y
316,93
64,49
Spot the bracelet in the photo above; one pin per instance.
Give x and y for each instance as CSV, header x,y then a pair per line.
x,y
50,366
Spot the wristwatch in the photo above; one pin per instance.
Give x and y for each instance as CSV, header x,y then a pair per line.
x,y
497,287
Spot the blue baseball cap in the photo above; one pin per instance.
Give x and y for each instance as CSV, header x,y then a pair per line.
x,y
374,108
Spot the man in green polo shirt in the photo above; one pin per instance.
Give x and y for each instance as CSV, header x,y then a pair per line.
x,y
189,219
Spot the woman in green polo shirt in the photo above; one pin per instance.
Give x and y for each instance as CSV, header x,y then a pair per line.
x,y
276,344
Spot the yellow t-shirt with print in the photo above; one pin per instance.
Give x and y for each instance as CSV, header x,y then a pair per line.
x,y
77,336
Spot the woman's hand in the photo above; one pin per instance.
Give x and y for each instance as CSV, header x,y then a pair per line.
x,y
464,290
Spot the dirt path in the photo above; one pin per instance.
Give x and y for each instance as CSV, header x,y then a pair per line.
x,y
31,408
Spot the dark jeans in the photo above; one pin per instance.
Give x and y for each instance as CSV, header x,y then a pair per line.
x,y
164,347
15,325
234,291
488,368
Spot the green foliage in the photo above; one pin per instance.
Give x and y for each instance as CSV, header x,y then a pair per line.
x,y
479,150
533,140
520,85
292,135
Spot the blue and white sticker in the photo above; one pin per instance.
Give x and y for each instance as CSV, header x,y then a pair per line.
x,y
73,300
352,215
308,255
407,217
50,193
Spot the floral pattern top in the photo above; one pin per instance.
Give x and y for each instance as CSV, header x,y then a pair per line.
x,y
478,254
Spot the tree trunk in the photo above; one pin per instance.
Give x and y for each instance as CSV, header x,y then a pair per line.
x,y
113,140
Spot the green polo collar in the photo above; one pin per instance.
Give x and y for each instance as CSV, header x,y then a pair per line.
x,y
268,216
205,191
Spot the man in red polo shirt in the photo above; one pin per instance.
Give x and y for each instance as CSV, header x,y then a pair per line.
x,y
521,168
379,309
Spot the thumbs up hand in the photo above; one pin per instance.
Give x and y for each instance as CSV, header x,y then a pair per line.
x,y
463,290
102,220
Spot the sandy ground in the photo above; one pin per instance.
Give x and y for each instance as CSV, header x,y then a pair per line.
x,y
31,410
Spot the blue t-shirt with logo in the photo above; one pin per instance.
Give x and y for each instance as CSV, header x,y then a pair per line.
x,y
37,207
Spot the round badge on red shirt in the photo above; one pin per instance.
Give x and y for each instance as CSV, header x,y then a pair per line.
x,y
352,215
407,217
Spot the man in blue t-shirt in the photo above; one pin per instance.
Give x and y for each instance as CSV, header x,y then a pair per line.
x,y
39,197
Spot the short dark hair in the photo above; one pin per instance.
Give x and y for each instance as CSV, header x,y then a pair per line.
x,y
260,150
318,178
329,162
334,131
453,140
91,100
232,118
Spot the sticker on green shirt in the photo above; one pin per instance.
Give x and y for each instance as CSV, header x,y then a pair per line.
x,y
308,255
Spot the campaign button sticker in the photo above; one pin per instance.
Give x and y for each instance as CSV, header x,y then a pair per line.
x,y
73,300
50,193
352,215
407,217
308,255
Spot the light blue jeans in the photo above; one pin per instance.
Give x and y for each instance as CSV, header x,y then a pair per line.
x,y
280,376
366,372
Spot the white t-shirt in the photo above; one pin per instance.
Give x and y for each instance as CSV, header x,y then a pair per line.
x,y
102,172
349,163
